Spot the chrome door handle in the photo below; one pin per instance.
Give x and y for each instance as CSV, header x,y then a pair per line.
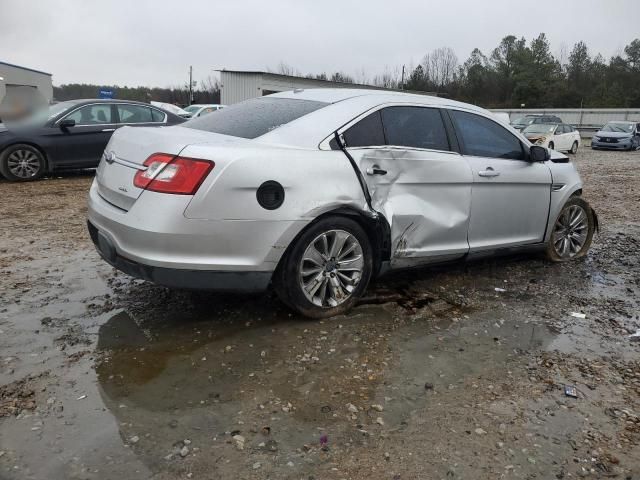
x,y
489,172
108,129
376,170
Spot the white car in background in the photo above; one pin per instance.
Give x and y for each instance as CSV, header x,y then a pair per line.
x,y
559,137
197,110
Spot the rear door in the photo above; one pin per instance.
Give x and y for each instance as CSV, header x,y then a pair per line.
x,y
82,145
510,195
416,179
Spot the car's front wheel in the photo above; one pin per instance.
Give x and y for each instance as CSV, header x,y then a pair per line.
x,y
572,232
551,145
327,269
21,163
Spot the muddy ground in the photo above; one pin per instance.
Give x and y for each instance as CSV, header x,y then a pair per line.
x,y
436,375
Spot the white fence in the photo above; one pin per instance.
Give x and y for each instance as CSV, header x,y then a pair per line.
x,y
587,120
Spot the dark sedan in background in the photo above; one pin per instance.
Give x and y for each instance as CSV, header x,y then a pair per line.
x,y
70,135
617,135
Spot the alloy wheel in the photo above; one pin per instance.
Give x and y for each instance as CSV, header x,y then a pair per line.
x,y
23,163
331,268
570,231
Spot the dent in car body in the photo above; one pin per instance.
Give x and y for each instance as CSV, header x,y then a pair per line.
x,y
425,196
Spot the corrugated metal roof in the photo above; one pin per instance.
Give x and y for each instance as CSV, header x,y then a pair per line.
x,y
319,80
24,68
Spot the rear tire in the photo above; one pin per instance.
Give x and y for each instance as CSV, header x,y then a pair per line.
x,y
22,163
572,231
574,148
327,269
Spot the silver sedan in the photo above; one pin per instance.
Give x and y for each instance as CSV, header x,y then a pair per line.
x,y
316,192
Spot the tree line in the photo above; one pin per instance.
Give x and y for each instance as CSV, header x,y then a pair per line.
x,y
516,73
206,91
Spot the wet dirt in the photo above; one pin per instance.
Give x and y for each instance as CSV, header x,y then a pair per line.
x,y
435,375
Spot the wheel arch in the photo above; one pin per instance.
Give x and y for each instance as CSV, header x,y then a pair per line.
x,y
47,162
375,226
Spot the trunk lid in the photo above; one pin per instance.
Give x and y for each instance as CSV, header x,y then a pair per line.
x,y
126,153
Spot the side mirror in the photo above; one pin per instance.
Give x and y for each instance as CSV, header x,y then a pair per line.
x,y
67,123
538,154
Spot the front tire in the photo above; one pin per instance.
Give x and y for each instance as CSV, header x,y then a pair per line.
x,y
572,231
551,145
327,269
22,163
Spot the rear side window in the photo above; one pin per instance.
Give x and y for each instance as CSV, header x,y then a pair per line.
x,y
415,127
254,117
134,114
157,115
485,138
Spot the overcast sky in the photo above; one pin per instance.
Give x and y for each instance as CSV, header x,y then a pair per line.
x,y
153,42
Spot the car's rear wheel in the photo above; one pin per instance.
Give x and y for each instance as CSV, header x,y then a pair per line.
x,y
572,232
574,148
21,163
327,269
551,145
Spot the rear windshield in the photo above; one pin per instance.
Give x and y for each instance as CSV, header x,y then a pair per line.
x,y
255,117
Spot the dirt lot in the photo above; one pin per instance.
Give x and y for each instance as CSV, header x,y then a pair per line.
x,y
436,375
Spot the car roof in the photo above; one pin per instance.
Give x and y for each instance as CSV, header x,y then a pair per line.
x,y
85,101
335,95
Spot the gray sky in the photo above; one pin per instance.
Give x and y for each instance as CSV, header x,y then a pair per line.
x,y
153,42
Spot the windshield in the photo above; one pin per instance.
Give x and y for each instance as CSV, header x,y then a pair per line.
x,y
40,117
523,121
619,127
539,128
192,108
255,117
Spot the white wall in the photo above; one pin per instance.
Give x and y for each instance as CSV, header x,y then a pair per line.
x,y
19,76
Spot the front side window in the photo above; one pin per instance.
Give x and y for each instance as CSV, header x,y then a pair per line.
x,y
134,114
91,115
255,117
485,138
415,127
367,132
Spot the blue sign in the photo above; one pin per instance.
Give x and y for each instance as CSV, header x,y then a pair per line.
x,y
105,93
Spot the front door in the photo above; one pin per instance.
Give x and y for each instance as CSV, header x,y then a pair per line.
x,y
416,181
82,145
510,195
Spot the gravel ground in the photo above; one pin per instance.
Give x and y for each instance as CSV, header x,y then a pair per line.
x,y
435,375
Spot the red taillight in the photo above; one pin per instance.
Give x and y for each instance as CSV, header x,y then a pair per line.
x,y
170,174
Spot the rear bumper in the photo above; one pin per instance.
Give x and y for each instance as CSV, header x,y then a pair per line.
x,y
179,278
156,242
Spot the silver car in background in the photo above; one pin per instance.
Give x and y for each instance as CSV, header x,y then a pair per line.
x,y
316,192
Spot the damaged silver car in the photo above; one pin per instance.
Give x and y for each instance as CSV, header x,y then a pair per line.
x,y
316,192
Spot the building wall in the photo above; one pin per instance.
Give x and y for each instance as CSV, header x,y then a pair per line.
x,y
19,76
237,87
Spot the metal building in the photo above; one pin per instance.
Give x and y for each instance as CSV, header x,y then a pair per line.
x,y
22,88
237,86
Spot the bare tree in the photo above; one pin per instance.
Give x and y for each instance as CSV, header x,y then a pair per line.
x,y
440,66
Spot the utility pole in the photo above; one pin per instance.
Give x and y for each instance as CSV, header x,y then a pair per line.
x,y
191,85
402,80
